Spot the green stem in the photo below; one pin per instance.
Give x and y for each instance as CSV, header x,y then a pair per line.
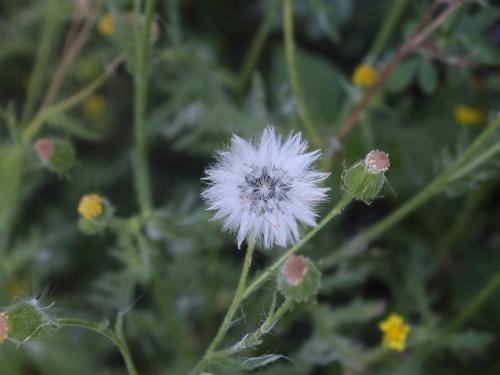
x,y
37,122
256,336
474,163
44,51
478,301
435,187
238,297
387,28
293,73
256,47
108,333
262,278
142,46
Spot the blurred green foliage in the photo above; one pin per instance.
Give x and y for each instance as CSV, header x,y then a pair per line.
x,y
174,273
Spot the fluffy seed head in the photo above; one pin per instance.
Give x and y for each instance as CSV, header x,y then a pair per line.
x,y
377,161
4,327
265,188
44,148
294,269
90,206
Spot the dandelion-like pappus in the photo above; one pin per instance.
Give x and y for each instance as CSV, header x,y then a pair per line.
x,y
265,189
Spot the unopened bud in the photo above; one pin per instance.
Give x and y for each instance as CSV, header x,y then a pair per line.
x,y
44,148
24,320
377,161
298,279
56,155
95,213
365,179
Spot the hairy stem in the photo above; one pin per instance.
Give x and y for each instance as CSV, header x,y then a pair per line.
x,y
226,323
387,28
478,301
293,73
256,47
142,46
269,271
354,246
37,122
108,333
47,42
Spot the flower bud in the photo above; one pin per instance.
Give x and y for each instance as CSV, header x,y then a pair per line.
x,y
22,321
95,212
365,179
298,279
56,155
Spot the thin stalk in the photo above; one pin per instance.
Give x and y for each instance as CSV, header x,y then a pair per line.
x,y
257,335
478,301
262,278
226,324
142,46
435,187
108,333
256,47
293,73
387,28
37,122
47,42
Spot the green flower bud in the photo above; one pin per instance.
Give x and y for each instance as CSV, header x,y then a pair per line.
x,y
96,213
56,155
365,179
23,321
298,279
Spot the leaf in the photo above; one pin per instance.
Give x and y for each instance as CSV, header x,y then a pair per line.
x,y
253,363
469,341
402,76
427,77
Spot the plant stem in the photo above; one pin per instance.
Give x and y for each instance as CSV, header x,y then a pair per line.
x,y
478,301
256,47
336,210
387,28
238,297
108,333
37,122
47,42
293,73
354,246
142,46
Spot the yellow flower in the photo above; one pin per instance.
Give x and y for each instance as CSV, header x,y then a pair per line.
x,y
90,206
4,327
106,24
395,332
93,106
467,116
364,76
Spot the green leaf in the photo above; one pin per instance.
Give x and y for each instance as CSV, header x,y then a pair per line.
x,y
402,76
427,77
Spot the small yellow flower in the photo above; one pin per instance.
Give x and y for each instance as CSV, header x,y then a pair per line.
x,y
395,332
90,206
94,106
106,24
467,116
364,76
14,289
4,327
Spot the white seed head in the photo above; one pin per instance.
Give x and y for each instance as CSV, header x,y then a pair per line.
x,y
377,161
265,189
